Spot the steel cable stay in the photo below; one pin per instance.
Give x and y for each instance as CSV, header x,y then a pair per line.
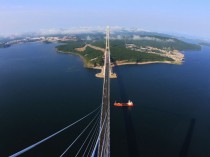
x,y
79,135
92,138
91,131
92,145
99,128
56,133
93,152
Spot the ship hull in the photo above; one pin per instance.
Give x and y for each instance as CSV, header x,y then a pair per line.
x,y
123,105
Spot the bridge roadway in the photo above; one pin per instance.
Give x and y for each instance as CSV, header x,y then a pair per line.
x,y
104,143
103,140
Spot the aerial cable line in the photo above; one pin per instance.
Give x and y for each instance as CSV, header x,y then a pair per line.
x,y
92,137
92,145
93,152
92,130
79,136
49,137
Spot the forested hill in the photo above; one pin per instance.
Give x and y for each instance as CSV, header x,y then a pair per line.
x,y
128,49
153,41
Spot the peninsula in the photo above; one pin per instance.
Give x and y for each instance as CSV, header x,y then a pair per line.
x,y
126,47
143,50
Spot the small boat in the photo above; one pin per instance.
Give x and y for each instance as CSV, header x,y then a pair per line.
x,y
129,104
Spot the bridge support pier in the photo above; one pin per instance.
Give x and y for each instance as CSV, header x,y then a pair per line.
x,y
102,75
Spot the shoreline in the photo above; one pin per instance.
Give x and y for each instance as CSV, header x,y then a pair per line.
x,y
119,63
82,58
148,62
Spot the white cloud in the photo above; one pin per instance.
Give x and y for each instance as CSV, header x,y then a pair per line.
x,y
76,30
137,37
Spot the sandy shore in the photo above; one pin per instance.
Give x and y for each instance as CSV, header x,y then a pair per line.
x,y
118,63
142,63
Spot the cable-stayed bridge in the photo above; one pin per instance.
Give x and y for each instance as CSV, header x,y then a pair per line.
x,y
97,131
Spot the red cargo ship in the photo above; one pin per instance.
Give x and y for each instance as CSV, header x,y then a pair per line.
x,y
129,104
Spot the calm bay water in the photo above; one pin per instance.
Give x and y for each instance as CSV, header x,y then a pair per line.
x,y
42,91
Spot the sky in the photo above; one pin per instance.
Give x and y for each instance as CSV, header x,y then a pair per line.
x,y
190,17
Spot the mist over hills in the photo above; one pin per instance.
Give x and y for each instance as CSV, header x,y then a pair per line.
x,y
88,32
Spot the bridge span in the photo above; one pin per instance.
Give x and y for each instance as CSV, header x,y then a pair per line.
x,y
104,144
97,142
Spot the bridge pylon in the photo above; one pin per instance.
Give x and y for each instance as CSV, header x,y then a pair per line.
x,y
107,49
104,137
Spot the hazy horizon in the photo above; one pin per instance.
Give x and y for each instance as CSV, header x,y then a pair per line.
x,y
165,16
